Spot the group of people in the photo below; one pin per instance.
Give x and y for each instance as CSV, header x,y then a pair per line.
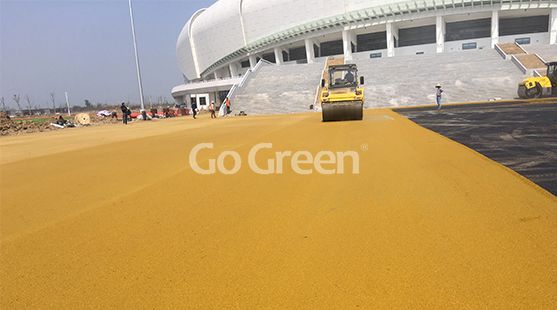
x,y
212,108
126,111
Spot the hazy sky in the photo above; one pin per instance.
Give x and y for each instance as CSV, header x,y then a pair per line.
x,y
85,47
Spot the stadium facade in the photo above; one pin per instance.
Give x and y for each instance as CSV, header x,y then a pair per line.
x,y
218,45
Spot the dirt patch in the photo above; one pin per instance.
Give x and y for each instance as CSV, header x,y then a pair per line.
x,y
9,126
531,61
511,49
21,125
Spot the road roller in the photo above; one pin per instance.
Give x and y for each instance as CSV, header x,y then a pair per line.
x,y
342,94
540,86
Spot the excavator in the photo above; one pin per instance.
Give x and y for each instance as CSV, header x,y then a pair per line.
x,y
537,87
342,96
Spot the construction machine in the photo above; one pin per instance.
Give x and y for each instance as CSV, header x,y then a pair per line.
x,y
342,96
540,86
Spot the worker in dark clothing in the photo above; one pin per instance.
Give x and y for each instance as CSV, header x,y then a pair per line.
x,y
349,77
61,121
126,112
194,108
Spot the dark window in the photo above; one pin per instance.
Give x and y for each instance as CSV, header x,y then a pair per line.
x,y
417,36
222,95
316,51
297,53
202,101
245,64
372,41
332,48
470,29
270,57
469,46
522,41
522,25
552,72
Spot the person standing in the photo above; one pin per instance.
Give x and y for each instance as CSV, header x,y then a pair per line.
x,y
194,108
126,112
439,95
227,106
212,109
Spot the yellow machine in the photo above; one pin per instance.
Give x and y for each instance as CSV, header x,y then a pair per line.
x,y
342,97
536,87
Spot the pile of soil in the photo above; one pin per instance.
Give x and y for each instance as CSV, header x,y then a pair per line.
x,y
531,61
511,49
10,127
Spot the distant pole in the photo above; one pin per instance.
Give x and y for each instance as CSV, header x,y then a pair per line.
x,y
136,57
68,104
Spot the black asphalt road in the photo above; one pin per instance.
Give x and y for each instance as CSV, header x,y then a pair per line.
x,y
520,136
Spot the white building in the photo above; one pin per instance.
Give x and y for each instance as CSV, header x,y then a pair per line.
x,y
219,44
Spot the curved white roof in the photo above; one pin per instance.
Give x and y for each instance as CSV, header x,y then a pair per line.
x,y
231,29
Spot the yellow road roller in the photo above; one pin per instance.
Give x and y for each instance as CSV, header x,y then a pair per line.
x,y
537,87
342,96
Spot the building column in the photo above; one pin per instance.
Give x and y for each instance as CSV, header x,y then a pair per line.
x,y
348,38
310,53
218,76
233,67
212,97
440,31
392,35
252,61
278,56
553,27
494,28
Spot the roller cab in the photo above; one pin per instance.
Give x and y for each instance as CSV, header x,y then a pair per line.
x,y
342,96
540,86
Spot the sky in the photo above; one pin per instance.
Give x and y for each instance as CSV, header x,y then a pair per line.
x,y
85,47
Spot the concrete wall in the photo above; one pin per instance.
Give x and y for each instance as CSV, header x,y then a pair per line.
x,y
535,38
413,50
198,97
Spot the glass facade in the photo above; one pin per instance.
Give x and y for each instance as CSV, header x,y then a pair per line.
x,y
470,29
372,41
417,36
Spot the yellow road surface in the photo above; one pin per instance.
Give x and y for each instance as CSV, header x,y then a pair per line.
x,y
113,217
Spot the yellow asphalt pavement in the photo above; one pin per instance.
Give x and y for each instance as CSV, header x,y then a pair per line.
x,y
114,217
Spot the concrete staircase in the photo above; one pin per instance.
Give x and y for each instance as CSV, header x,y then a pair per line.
x,y
279,89
478,75
546,52
467,76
